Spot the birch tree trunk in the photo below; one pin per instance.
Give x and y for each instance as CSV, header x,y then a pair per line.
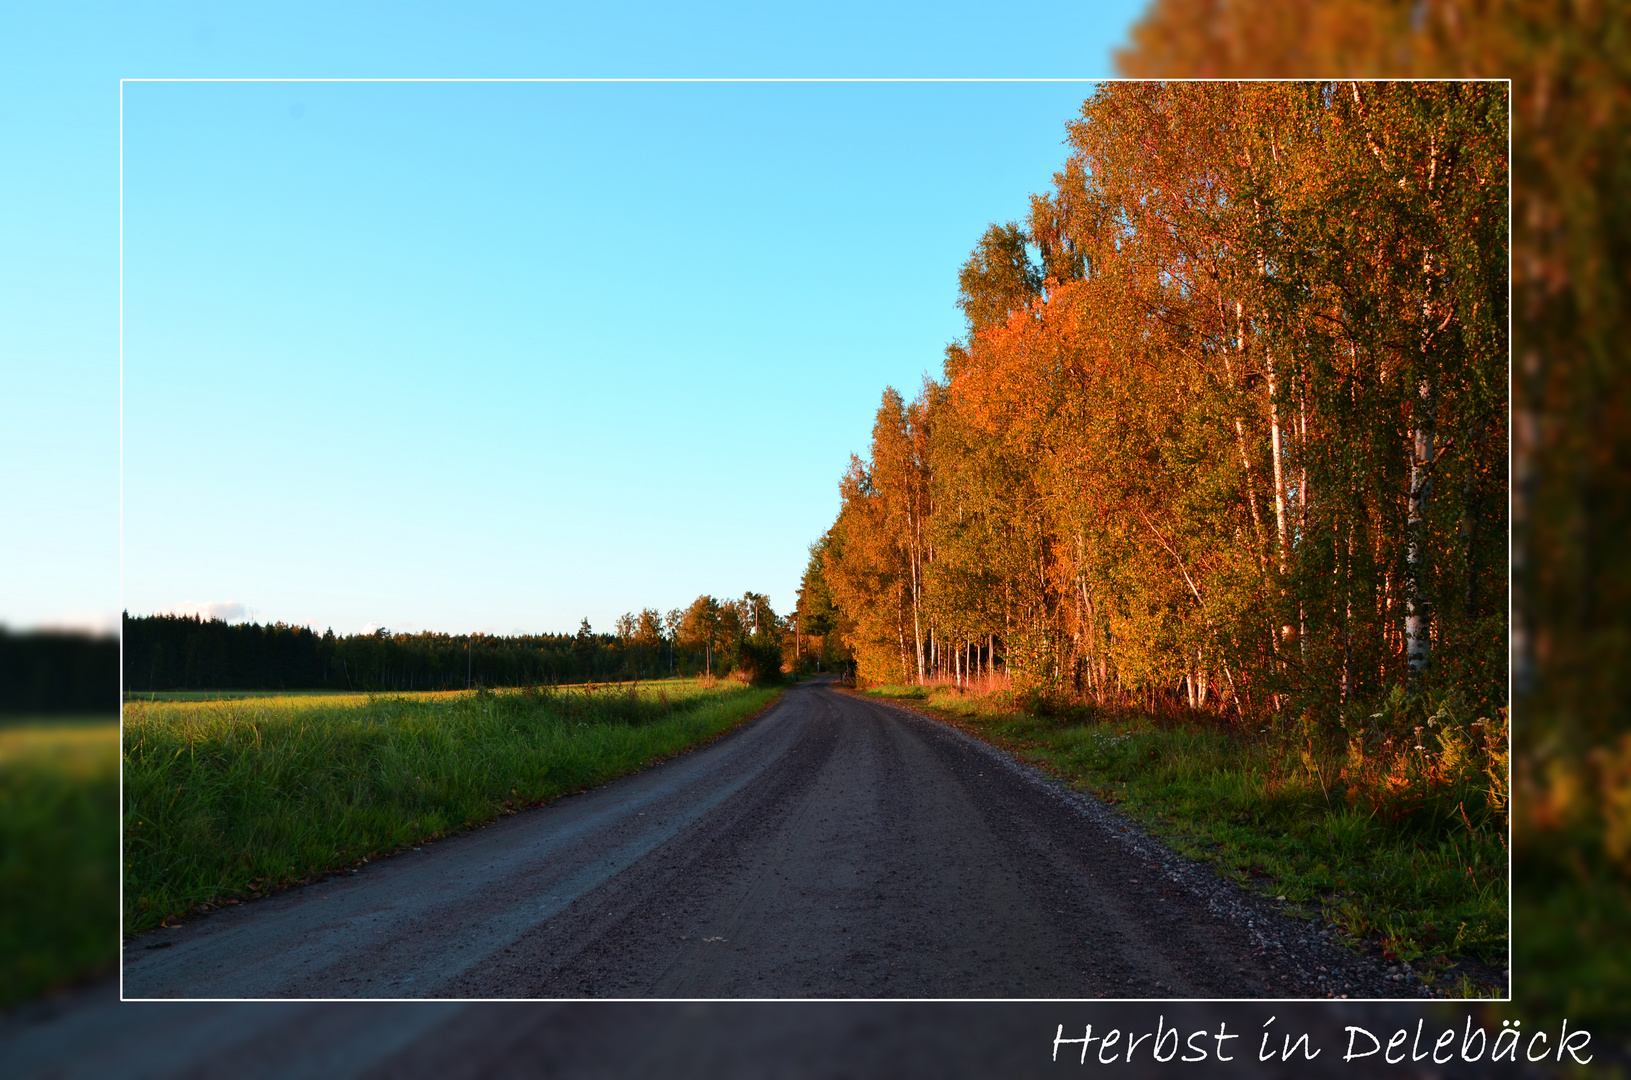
x,y
1275,453
1417,643
1417,627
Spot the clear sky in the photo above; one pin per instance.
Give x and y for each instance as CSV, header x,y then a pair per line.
x,y
489,356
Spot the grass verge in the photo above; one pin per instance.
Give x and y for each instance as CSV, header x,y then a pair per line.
x,y
59,798
228,799
1421,872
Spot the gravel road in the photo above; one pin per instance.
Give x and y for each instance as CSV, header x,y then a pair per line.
x,y
834,847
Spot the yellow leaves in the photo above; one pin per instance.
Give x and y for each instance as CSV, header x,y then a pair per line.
x,y
1612,765
1226,276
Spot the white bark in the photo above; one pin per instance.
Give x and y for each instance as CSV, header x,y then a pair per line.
x,y
1275,451
1417,644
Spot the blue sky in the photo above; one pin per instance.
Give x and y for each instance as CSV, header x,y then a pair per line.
x,y
488,356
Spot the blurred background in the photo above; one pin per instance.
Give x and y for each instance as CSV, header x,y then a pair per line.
x,y
1570,66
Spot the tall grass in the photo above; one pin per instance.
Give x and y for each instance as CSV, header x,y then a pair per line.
x,y
230,798
1394,829
59,798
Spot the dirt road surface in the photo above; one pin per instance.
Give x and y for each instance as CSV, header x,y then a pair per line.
x,y
834,847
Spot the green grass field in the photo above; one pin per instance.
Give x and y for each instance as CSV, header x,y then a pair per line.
x,y
230,798
230,695
1422,871
59,852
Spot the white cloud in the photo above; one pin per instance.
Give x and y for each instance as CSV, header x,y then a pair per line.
x,y
225,610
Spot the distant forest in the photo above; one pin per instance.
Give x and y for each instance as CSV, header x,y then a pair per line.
x,y
182,652
45,672
1229,422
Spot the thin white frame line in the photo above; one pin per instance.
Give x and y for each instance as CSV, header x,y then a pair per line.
x,y
1511,955
1511,714
118,820
451,1001
754,79
616,79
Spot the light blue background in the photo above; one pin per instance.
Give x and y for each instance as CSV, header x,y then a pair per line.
x,y
485,356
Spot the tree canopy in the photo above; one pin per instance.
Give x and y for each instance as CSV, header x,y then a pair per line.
x,y
1239,432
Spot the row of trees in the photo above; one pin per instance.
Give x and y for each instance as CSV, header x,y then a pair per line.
x,y
167,652
1230,419
718,637
58,672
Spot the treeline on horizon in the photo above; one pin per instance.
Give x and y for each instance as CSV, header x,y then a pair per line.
x,y
741,638
1229,423
44,672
